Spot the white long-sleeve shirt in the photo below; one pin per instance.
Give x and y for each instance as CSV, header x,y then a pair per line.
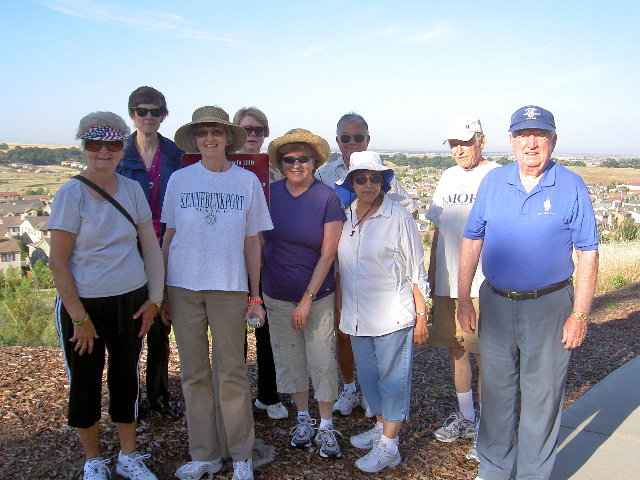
x,y
378,267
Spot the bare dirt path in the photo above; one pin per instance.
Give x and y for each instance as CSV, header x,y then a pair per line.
x,y
35,442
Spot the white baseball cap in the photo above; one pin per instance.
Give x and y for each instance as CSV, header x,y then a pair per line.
x,y
463,128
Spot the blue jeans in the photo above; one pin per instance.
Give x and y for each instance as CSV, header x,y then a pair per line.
x,y
521,347
384,371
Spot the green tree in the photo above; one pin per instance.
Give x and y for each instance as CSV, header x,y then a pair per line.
x,y
4,146
23,316
42,274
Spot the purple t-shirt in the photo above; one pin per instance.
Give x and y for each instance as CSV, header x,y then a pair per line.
x,y
293,247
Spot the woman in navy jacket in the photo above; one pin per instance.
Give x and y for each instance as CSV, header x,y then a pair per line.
x,y
150,159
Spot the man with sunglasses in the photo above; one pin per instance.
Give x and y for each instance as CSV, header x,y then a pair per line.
x,y
352,135
150,159
526,221
449,210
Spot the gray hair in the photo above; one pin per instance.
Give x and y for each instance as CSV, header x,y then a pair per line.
x,y
256,113
352,117
103,119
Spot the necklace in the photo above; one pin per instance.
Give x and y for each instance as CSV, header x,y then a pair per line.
x,y
353,227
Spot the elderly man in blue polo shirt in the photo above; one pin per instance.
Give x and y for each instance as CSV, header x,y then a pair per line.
x,y
526,220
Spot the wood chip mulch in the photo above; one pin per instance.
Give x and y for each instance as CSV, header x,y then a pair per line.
x,y
35,442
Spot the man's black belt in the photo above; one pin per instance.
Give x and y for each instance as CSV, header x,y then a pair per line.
x,y
530,294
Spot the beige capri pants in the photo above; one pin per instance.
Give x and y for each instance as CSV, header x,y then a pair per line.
x,y
309,353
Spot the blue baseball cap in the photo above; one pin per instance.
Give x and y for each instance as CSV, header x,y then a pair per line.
x,y
532,117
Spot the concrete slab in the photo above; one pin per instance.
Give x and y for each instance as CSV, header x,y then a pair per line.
x,y
593,456
611,407
600,434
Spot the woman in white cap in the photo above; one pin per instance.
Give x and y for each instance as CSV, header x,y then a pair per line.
x,y
109,291
298,283
214,211
384,286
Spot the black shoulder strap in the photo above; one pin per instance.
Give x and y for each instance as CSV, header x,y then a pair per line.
x,y
107,197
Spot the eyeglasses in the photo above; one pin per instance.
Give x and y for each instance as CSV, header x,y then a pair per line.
x,y
362,179
142,112
291,160
215,131
96,145
359,138
259,131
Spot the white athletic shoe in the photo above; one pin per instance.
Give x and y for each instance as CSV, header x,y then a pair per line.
x,y
347,401
196,469
277,411
378,459
366,439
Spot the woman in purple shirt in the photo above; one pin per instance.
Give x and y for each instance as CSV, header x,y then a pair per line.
x,y
298,283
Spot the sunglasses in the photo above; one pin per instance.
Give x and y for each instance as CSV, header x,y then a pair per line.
x,y
292,160
216,132
142,112
96,145
259,131
362,179
359,138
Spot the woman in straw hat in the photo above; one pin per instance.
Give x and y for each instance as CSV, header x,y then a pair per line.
x,y
255,123
214,211
298,282
384,285
108,291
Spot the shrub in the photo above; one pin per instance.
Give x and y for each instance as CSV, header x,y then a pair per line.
x,y
24,319
618,281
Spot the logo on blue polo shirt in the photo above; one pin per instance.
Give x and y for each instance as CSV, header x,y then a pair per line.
x,y
547,206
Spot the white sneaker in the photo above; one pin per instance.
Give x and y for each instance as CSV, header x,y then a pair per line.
x,y
196,469
347,401
132,466
472,454
366,439
96,469
277,411
243,470
456,426
327,442
378,459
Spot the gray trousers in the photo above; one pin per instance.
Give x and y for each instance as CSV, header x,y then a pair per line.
x,y
521,347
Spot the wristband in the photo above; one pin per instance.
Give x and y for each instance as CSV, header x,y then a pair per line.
x,y
81,321
312,295
421,314
255,299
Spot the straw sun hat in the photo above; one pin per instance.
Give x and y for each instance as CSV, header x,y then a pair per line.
x,y
300,135
184,137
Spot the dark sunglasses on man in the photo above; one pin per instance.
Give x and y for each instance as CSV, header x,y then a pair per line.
x,y
359,138
143,112
96,145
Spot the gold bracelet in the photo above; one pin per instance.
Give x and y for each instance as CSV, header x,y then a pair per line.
x,y
81,321
581,316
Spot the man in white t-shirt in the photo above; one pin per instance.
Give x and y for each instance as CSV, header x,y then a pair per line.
x,y
449,210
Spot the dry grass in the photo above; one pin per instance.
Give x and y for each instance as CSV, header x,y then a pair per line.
x,y
618,261
606,176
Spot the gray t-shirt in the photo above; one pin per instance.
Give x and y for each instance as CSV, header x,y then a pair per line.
x,y
104,261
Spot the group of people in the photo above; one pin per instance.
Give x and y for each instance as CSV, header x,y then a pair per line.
x,y
333,268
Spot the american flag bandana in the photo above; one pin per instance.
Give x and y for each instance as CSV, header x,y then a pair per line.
x,y
103,133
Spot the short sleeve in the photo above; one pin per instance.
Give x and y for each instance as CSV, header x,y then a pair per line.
x,y
584,231
258,218
474,229
334,211
168,207
65,211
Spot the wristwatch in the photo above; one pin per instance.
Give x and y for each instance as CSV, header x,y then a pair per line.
x,y
581,316
158,304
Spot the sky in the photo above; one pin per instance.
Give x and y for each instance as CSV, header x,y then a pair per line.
x,y
406,66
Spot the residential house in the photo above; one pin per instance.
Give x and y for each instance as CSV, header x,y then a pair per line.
x,y
12,224
34,229
9,254
39,250
9,195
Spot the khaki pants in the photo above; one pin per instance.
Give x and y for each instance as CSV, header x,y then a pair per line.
x,y
192,314
446,331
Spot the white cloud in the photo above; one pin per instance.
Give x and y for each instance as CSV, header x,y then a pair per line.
x,y
438,31
310,51
141,19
